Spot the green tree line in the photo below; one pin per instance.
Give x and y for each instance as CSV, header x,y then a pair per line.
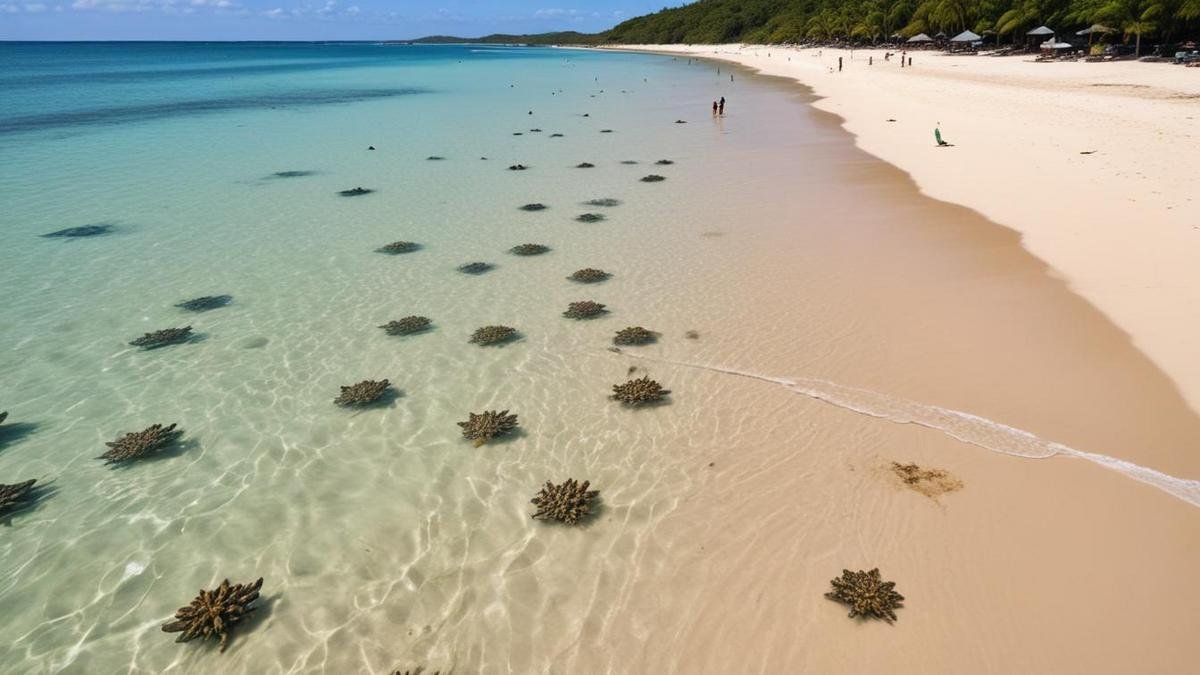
x,y
872,21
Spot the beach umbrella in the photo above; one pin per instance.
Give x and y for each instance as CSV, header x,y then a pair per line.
x,y
1094,28
920,37
966,36
1041,30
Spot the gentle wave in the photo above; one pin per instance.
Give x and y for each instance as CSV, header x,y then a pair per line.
x,y
155,111
962,426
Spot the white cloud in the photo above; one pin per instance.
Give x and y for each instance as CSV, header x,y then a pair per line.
x,y
274,13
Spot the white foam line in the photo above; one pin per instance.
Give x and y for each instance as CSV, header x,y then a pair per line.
x,y
963,426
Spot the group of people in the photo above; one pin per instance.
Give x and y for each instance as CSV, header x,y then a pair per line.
x,y
719,107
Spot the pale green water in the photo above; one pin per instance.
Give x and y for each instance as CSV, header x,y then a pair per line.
x,y
384,538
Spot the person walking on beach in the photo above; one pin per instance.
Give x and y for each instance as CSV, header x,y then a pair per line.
x,y
839,64
721,107
714,108
937,135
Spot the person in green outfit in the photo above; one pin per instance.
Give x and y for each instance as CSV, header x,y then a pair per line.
x,y
937,135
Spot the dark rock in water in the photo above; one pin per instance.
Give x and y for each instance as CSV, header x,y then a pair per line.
x,y
590,217
483,427
15,496
354,192
535,131
475,268
162,338
435,158
362,393
556,135
139,444
664,162
398,247
606,131
517,167
639,392
653,178
568,502
585,165
493,335
370,147
409,325
212,613
680,121
589,275
517,133
634,335
291,174
603,201
483,158
629,161
534,207
528,249
82,231
586,115
205,303
584,309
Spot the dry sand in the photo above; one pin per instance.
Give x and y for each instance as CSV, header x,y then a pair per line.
x,y
1121,224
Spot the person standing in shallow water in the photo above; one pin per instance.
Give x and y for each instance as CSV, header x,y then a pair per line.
x,y
714,108
721,106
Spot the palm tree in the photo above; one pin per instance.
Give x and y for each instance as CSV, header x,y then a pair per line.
x,y
1135,17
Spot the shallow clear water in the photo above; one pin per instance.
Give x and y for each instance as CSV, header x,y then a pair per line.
x,y
384,538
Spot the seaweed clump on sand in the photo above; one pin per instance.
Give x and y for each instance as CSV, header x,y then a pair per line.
x,y
407,326
867,594
568,502
162,338
493,335
536,206
932,483
634,335
589,275
603,201
81,231
653,178
590,217
13,497
517,167
692,335
355,192
665,162
483,427
584,309
639,392
212,613
585,165
528,249
139,444
362,393
475,268
205,303
398,247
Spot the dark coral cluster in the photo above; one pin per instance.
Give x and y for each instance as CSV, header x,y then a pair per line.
x,y
493,335
398,247
536,206
653,178
603,201
407,326
81,231
639,392
483,427
212,614
475,268
590,217
584,309
362,393
15,496
585,165
567,502
205,303
140,444
162,338
589,275
867,594
634,335
665,162
355,192
529,249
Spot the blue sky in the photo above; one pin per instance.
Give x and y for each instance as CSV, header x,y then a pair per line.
x,y
303,19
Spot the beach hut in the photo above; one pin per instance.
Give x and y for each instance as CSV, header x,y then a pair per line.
x,y
920,37
1041,30
965,40
1093,30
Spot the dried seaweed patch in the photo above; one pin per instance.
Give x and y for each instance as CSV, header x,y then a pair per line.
x,y
355,192
590,217
930,482
162,338
483,427
867,594
475,268
362,393
589,275
13,497
529,249
639,392
634,335
409,325
212,614
493,335
205,303
584,309
140,444
567,502
398,247
653,178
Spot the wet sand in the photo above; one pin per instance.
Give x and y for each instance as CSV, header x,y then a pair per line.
x,y
1035,565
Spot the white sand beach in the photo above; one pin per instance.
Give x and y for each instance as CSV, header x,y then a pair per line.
x,y
1094,164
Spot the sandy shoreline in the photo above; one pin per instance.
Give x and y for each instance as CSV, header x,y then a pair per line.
x,y
1121,224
